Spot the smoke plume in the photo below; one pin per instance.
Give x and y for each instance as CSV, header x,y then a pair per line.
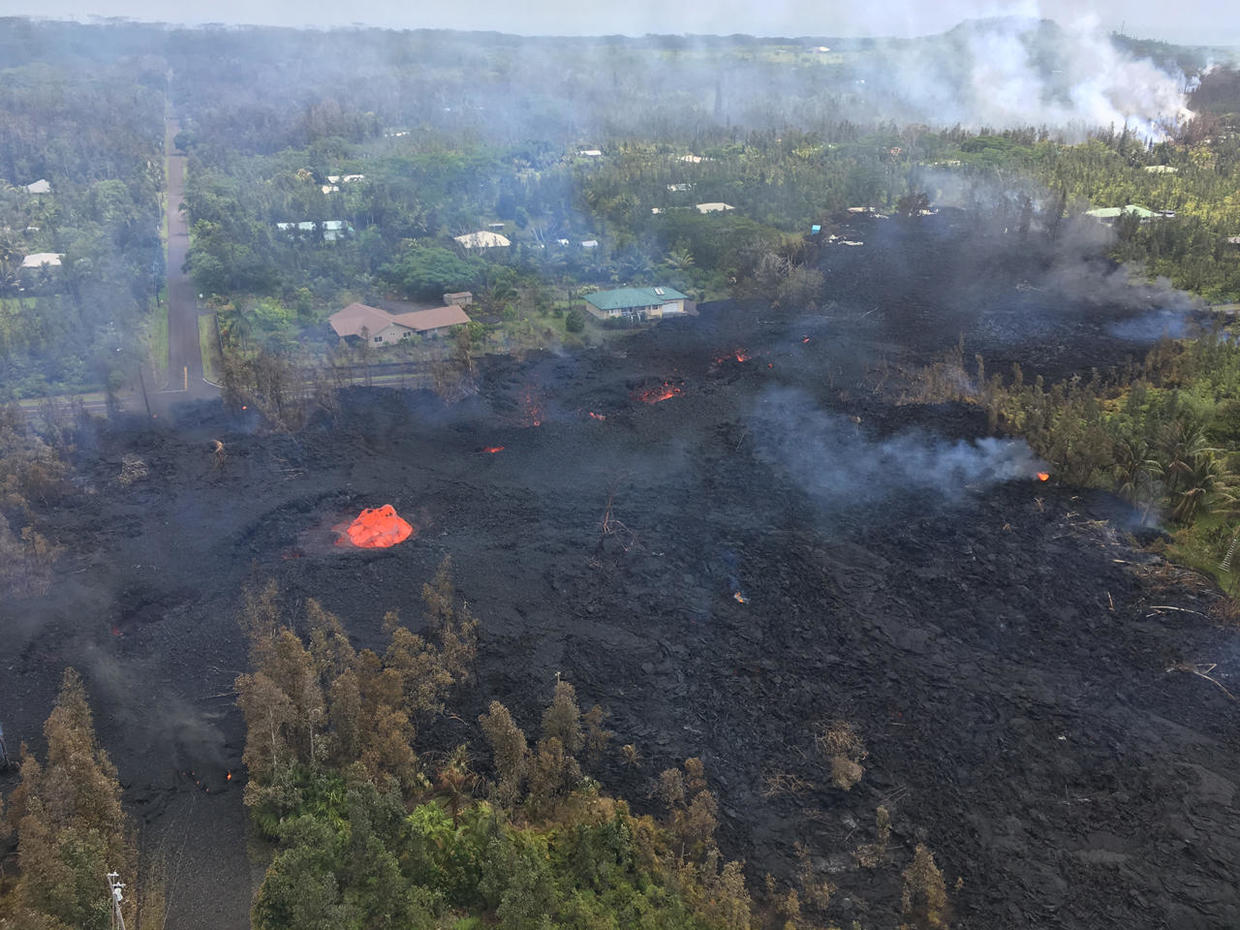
x,y
1022,71
830,457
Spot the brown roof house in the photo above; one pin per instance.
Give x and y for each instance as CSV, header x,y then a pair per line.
x,y
359,321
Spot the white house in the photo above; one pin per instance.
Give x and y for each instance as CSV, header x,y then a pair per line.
x,y
41,186
42,260
483,239
714,207
332,229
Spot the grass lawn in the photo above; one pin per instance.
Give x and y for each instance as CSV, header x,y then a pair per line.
x,y
157,337
210,353
1202,547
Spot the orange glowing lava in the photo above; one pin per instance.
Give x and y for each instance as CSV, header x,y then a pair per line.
x,y
596,416
660,393
491,450
228,777
533,414
804,339
742,355
1044,476
377,528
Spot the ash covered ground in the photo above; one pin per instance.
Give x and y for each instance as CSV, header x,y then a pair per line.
x,y
994,640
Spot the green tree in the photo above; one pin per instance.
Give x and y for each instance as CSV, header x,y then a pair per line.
x,y
71,829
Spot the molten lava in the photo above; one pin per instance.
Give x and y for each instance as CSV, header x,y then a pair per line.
x,y
533,414
659,393
596,416
377,528
491,450
1044,476
742,355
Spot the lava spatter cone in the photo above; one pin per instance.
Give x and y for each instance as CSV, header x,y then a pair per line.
x,y
375,528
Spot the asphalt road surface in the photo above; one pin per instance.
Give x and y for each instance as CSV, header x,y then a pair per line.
x,y
185,374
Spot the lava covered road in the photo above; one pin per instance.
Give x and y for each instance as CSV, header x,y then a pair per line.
x,y
1032,709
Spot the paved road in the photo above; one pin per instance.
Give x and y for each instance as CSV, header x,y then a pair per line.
x,y
184,350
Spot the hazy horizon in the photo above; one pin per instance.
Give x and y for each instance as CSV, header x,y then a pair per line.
x,y
1194,23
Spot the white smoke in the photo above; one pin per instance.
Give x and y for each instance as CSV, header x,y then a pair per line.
x,y
835,462
1018,70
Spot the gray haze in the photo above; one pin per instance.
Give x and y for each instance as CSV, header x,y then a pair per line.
x,y
1208,22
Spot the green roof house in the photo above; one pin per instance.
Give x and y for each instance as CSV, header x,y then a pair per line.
x,y
645,303
1111,214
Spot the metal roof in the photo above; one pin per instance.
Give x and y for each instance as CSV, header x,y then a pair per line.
x,y
1108,213
627,297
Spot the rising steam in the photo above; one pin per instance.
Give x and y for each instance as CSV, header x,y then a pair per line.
x,y
1023,71
830,457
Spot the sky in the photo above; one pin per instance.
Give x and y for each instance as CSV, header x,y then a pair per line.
x,y
1211,22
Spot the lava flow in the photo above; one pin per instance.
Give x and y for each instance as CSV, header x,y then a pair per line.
x,y
659,393
491,450
1044,476
376,528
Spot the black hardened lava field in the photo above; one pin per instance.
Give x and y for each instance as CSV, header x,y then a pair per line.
x,y
720,533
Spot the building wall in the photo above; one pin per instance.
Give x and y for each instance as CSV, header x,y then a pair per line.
x,y
390,334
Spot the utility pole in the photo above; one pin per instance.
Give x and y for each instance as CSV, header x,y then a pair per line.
x,y
115,887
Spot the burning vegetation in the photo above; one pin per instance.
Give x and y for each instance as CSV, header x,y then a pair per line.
x,y
658,393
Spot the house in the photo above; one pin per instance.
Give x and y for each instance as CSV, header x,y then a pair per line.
x,y
1233,240
655,211
692,159
460,298
679,188
561,242
332,229
716,207
590,153
41,186
43,260
495,227
589,243
383,328
1161,169
1109,215
483,239
644,303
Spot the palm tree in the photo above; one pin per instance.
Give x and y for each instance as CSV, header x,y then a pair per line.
x,y
1193,472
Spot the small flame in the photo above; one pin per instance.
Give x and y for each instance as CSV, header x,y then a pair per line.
x,y
660,393
742,355
491,450
533,408
596,416
804,340
244,407
228,777
116,630
739,598
1044,476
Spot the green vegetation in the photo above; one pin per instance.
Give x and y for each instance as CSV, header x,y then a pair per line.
x,y
94,131
368,832
1164,435
67,818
